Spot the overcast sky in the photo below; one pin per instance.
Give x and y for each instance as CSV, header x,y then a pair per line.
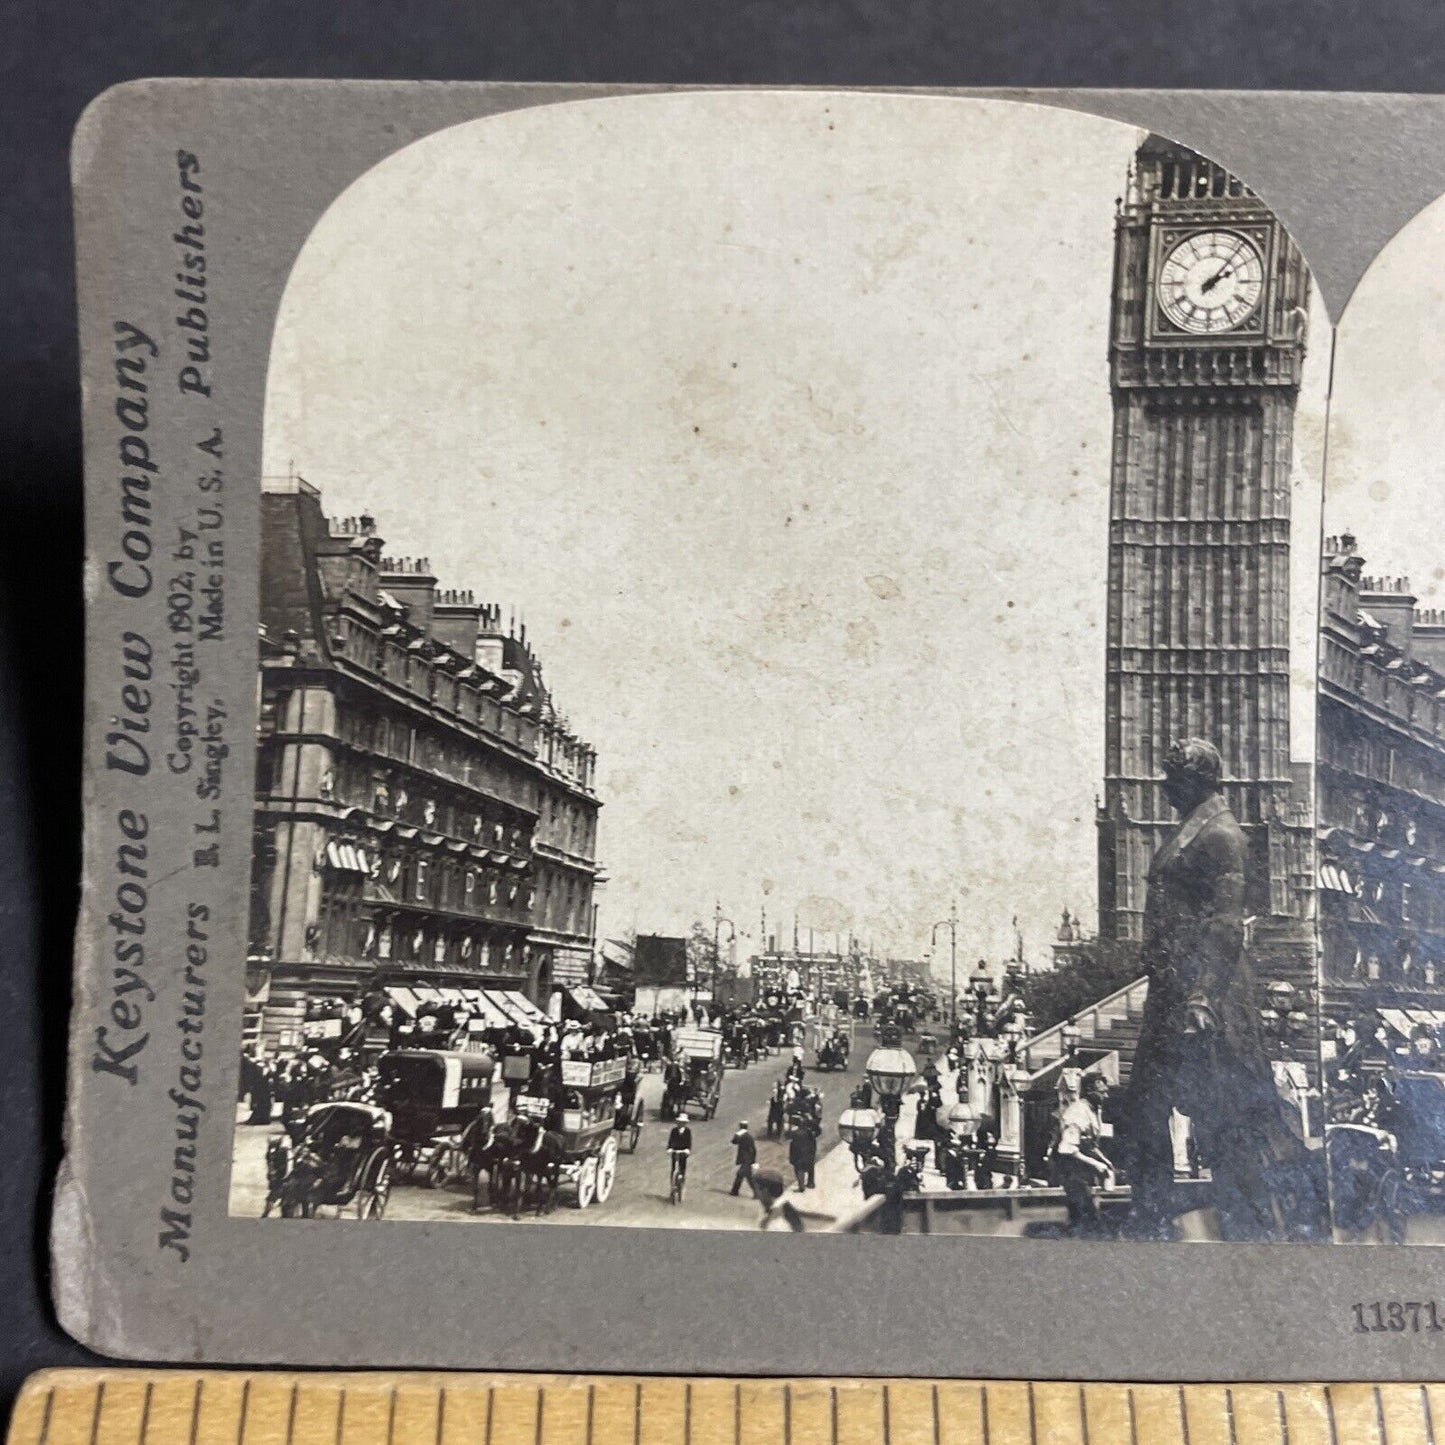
x,y
784,421
1385,465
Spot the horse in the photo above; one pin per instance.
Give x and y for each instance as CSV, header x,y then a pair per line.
x,y
478,1144
494,1152
538,1154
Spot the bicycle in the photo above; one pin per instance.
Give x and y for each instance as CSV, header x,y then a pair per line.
x,y
677,1178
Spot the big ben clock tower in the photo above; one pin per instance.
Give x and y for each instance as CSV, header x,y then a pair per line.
x,y
1207,342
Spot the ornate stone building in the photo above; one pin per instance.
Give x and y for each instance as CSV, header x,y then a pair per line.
x,y
1207,343
1381,793
423,816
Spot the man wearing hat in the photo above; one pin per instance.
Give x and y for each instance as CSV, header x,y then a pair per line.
x,y
1201,1050
747,1157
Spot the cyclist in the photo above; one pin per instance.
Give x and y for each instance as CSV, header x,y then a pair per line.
x,y
679,1146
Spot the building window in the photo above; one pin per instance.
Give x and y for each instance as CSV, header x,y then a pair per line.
x,y
1404,903
471,882
421,878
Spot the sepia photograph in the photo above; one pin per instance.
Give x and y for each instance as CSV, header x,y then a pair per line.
x,y
786,683
1381,777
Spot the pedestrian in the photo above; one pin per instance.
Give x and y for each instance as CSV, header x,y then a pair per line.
x,y
778,1214
747,1157
803,1155
1081,1164
776,1105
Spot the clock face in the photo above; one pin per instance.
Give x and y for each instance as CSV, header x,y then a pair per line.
x,y
1211,282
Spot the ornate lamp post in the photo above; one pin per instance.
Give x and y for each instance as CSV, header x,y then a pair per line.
x,y
857,1128
890,1070
981,987
1069,1034
717,922
951,924
960,1121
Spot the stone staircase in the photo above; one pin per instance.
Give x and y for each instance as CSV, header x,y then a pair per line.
x,y
1111,1025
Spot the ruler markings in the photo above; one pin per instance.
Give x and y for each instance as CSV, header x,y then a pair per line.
x,y
44,1437
95,1413
124,1408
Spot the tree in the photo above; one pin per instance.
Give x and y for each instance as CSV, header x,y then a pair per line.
x,y
1098,968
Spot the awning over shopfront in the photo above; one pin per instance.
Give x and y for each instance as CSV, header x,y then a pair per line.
x,y
517,1006
485,1011
1405,1021
404,999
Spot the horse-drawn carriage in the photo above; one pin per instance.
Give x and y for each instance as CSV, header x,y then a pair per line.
x,y
335,1155
436,1100
559,1143
693,1078
833,1052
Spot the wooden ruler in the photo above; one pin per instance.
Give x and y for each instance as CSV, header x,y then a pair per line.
x,y
183,1407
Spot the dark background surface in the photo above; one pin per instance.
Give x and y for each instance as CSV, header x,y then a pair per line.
x,y
56,57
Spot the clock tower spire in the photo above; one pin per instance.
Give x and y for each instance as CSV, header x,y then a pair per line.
x,y
1207,343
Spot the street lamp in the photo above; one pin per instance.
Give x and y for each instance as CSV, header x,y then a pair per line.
x,y
890,1070
717,922
1069,1034
857,1128
951,924
960,1123
981,986
1013,1033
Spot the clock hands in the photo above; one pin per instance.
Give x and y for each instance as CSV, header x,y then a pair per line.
x,y
1226,270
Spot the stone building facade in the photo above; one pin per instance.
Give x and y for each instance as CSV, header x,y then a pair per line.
x,y
1381,793
423,815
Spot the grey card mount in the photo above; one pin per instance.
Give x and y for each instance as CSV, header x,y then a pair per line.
x,y
703,726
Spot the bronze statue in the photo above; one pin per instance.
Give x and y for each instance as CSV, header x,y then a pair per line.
x,y
1201,1049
